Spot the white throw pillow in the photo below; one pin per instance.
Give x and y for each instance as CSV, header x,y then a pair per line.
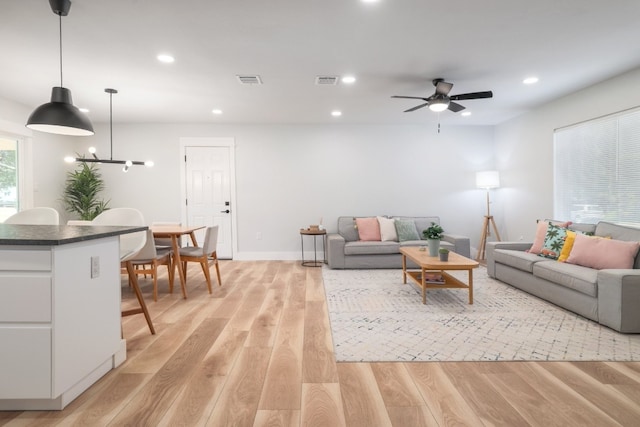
x,y
387,229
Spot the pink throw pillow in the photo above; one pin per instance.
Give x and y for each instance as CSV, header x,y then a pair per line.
x,y
368,229
600,253
541,233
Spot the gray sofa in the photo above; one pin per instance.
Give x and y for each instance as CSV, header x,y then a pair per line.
x,y
345,250
609,297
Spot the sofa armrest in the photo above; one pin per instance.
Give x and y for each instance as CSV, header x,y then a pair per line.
x,y
490,252
461,244
335,250
619,299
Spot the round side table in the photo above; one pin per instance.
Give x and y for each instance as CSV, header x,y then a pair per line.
x,y
315,234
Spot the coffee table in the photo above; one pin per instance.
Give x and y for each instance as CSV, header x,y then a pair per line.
x,y
433,264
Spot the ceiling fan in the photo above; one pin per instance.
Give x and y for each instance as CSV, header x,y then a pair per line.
x,y
441,100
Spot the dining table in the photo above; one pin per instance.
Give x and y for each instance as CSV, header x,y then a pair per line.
x,y
175,232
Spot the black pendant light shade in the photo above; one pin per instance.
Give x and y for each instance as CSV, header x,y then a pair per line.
x,y
60,116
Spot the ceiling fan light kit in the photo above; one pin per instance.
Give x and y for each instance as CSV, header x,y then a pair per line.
x,y
60,116
441,100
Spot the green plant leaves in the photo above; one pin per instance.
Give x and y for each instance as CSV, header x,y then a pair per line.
x,y
81,192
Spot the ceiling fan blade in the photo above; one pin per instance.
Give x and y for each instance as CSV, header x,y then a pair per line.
x,y
473,95
443,88
455,107
417,107
409,97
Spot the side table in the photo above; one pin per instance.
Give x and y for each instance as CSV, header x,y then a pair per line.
x,y
315,234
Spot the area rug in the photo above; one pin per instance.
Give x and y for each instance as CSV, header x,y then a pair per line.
x,y
375,317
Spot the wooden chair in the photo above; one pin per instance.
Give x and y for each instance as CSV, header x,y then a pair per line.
x,y
130,245
150,258
35,216
202,254
162,242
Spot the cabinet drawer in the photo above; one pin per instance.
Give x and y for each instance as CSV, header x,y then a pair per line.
x,y
20,259
26,363
25,298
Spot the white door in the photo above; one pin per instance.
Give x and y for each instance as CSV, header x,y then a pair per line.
x,y
208,193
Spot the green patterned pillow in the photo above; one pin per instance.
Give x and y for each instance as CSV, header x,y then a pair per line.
x,y
406,230
553,241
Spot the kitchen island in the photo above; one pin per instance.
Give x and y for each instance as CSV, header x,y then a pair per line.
x,y
60,317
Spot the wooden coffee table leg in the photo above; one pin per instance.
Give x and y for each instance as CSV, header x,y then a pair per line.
x,y
470,286
404,269
424,286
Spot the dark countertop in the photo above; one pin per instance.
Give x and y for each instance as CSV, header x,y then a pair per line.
x,y
48,235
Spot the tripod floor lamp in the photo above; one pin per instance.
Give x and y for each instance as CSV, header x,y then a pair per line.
x,y
487,180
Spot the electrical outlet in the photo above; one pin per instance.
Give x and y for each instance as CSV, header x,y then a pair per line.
x,y
259,235
95,267
521,238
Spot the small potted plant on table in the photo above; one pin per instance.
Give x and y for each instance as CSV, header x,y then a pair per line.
x,y
433,234
444,254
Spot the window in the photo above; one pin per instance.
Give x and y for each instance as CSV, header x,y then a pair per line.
x,y
8,178
597,170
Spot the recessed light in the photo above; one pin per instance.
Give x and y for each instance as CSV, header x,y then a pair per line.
x,y
369,1
216,111
530,80
466,114
84,110
348,79
167,59
336,113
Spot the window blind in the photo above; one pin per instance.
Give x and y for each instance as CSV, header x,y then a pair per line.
x,y
597,170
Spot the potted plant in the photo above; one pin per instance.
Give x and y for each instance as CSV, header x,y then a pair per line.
x,y
81,191
444,254
433,234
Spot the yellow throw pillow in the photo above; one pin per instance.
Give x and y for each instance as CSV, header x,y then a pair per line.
x,y
568,244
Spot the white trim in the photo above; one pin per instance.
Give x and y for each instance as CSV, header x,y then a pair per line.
x,y
24,163
274,256
211,142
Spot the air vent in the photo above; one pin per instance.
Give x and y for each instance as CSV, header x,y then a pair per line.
x,y
327,80
249,80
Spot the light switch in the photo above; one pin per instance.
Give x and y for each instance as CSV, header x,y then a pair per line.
x,y
95,267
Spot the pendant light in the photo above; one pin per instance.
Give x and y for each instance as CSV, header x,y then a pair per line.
x,y
60,116
95,159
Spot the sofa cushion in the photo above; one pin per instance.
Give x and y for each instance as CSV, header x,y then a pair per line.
x,y
541,234
517,259
371,248
387,229
568,244
553,241
443,244
601,253
406,229
619,232
368,229
424,223
576,277
347,228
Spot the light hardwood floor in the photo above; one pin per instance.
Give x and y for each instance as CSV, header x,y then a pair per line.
x,y
258,352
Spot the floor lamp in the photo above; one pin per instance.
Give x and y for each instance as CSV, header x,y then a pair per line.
x,y
487,180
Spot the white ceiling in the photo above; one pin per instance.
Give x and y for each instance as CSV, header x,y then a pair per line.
x,y
393,47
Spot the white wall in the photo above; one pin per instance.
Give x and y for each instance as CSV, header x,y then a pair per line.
x,y
524,150
37,152
288,177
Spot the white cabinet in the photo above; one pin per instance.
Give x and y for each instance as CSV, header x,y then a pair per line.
x,y
59,326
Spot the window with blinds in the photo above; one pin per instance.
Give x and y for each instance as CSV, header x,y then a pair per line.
x,y
597,170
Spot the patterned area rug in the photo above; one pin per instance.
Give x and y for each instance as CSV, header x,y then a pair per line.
x,y
374,317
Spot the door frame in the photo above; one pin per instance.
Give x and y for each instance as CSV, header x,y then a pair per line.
x,y
228,142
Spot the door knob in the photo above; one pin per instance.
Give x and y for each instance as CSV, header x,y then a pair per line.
x,y
225,211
